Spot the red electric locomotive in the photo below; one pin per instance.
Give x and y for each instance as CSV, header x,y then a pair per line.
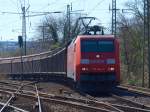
x,y
93,62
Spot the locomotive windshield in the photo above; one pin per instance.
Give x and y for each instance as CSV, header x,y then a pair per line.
x,y
97,46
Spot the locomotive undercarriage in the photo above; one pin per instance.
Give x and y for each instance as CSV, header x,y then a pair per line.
x,y
99,82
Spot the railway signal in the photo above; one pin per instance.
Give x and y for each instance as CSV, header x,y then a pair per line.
x,y
20,41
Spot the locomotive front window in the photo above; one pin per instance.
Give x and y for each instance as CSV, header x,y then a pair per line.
x,y
97,46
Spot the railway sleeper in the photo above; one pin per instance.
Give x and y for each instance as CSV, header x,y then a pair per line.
x,y
142,106
130,109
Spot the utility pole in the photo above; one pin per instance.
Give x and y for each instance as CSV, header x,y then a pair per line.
x,y
24,28
148,34
68,23
43,34
144,37
114,27
23,23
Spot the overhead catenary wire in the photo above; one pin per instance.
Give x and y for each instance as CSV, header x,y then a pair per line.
x,y
52,3
15,4
95,7
48,5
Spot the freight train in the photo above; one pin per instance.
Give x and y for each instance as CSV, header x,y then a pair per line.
x,y
91,62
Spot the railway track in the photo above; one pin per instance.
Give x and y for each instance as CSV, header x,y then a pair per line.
x,y
83,104
126,104
129,99
77,103
139,90
123,104
89,103
6,107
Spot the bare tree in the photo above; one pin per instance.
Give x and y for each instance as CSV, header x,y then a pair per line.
x,y
131,33
56,28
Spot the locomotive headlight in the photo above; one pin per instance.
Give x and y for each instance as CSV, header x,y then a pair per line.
x,y
112,68
110,61
84,69
84,61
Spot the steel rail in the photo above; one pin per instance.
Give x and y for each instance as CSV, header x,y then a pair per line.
x,y
67,100
138,90
128,108
10,99
88,102
39,101
139,107
15,108
92,101
82,104
13,96
5,105
68,103
134,87
45,95
78,105
16,84
136,104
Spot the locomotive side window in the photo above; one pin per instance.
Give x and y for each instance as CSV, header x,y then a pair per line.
x,y
97,46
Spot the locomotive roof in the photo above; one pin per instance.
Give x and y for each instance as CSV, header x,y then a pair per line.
x,y
95,36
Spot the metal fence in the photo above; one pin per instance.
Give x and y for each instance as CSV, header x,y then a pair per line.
x,y
43,63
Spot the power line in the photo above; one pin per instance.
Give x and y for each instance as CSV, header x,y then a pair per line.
x,y
64,4
13,3
44,7
20,3
43,14
11,13
95,7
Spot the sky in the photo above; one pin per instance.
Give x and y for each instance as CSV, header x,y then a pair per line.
x,y
11,22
